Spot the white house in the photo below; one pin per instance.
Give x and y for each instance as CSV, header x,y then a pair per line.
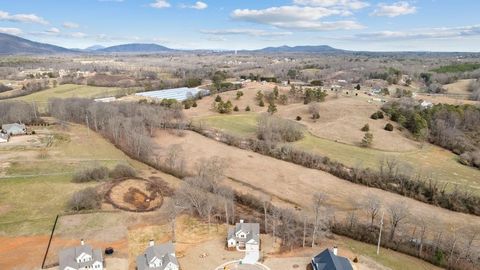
x,y
426,104
81,257
244,236
4,138
158,257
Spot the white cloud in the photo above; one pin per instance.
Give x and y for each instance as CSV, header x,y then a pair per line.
x,y
429,33
24,18
394,10
53,30
11,31
160,4
70,25
78,35
248,32
200,5
348,4
297,17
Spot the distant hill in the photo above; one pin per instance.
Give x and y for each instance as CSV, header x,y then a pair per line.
x,y
10,44
94,48
300,49
136,48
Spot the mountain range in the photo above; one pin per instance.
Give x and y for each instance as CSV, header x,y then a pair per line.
x,y
11,45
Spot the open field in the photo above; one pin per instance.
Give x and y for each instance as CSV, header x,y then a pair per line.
x,y
459,87
341,117
428,160
67,91
42,197
293,183
34,189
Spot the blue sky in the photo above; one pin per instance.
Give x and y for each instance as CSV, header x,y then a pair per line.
x,y
434,25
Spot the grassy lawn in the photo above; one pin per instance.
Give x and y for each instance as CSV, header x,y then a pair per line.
x,y
388,258
430,160
29,205
34,190
238,124
68,91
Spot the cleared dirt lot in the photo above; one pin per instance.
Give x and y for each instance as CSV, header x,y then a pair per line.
x,y
296,184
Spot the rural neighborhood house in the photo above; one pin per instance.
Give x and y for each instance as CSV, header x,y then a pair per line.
x,y
80,258
329,260
244,236
4,137
158,257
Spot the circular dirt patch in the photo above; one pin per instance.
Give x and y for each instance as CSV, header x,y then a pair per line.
x,y
137,195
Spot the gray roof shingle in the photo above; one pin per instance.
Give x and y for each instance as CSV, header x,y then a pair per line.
x,y
163,252
67,257
329,261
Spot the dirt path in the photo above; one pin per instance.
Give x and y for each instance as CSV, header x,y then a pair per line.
x,y
27,250
297,184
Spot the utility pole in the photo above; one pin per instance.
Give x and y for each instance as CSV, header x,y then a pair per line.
x,y
380,234
88,126
34,109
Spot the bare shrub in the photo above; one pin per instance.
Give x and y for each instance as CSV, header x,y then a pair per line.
x,y
275,129
97,173
470,158
122,170
85,199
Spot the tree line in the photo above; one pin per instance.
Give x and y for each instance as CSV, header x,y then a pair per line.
x,y
129,126
454,127
204,195
389,176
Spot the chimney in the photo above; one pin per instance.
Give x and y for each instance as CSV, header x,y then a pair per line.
x,y
241,220
82,242
151,243
335,250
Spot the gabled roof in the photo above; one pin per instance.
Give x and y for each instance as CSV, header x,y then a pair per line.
x,y
68,257
252,230
164,252
329,261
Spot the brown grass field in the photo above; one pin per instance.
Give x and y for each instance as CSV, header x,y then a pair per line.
x,y
337,135
293,183
341,118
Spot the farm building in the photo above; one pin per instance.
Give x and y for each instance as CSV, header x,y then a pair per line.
x,y
80,257
160,257
4,137
329,260
14,129
179,94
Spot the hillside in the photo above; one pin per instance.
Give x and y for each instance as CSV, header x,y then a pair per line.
x,y
10,44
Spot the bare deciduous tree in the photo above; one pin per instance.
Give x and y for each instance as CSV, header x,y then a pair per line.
x,y
318,202
372,207
398,213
